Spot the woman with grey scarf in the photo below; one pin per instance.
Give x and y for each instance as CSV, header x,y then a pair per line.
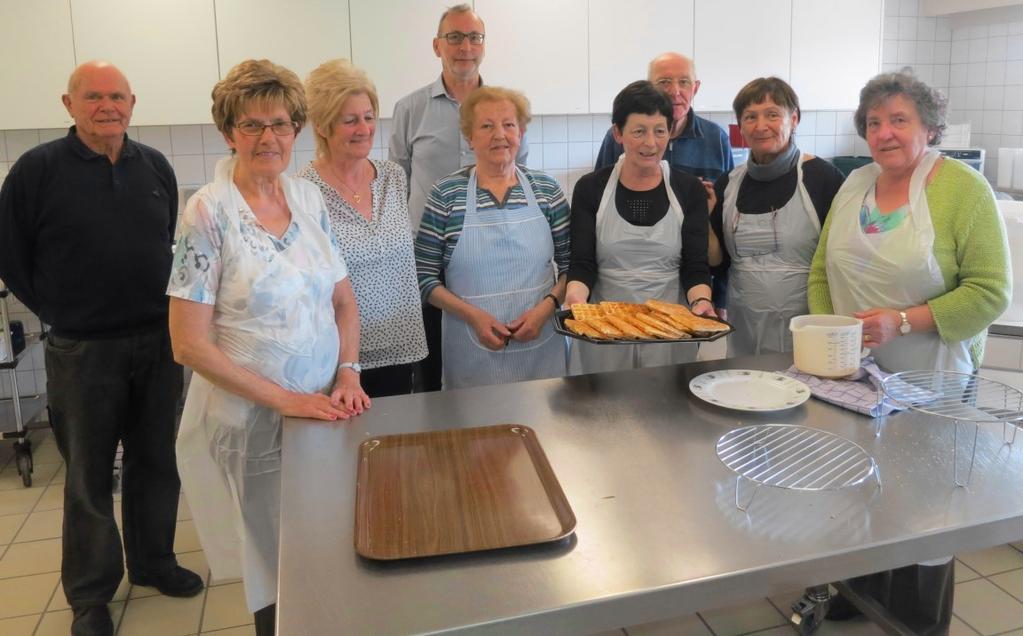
x,y
768,218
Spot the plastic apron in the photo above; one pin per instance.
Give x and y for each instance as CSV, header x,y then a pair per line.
x,y
635,263
894,269
273,316
771,255
503,263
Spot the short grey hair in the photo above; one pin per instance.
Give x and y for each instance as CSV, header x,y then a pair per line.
x,y
930,103
463,7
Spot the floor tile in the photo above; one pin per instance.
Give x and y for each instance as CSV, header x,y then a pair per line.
x,y
9,526
161,616
186,539
741,619
225,607
784,630
45,451
59,601
194,561
858,626
19,500
59,623
682,626
986,608
244,630
60,475
45,524
1011,582
52,498
41,476
993,560
20,626
184,512
35,557
959,628
26,594
610,632
964,573
783,602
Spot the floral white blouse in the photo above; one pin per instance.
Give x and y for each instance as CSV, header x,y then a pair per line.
x,y
382,265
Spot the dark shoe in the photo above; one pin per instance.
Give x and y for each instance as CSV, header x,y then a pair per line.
x,y
91,620
177,582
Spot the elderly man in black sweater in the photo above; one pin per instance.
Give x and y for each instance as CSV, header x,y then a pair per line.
x,y
86,224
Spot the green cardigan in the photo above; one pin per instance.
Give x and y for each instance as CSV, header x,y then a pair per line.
x,y
972,251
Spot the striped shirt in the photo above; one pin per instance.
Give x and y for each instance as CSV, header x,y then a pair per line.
x,y
444,215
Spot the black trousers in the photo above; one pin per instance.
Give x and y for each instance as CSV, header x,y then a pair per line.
x,y
431,368
102,392
383,381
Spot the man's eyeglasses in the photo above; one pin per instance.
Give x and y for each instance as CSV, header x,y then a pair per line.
x,y
667,83
251,128
455,38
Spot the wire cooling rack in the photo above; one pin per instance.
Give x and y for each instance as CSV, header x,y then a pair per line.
x,y
963,398
793,457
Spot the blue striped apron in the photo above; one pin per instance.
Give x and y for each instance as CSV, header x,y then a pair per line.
x,y
503,263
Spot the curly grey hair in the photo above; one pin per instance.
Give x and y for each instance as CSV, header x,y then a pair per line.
x,y
930,104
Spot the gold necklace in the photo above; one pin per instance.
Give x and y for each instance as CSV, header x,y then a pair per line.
x,y
355,194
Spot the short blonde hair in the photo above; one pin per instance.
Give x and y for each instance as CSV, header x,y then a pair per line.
x,y
328,87
467,113
259,83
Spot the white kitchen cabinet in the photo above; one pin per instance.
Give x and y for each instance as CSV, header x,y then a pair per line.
x,y
168,51
1003,353
737,41
299,36
836,48
36,47
624,38
540,48
392,40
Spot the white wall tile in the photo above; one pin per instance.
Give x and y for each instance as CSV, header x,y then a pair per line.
x,y
890,27
190,169
994,74
535,159
826,122
975,117
925,28
976,74
580,128
555,156
4,169
907,28
907,52
960,51
49,134
845,145
1012,122
993,97
19,141
997,47
942,30
825,146
211,163
844,122
978,31
1014,47
957,75
562,177
213,140
186,140
384,128
1013,75
535,130
156,137
889,68
925,73
1015,28
891,8
1014,97
1010,141
599,124
862,149
992,122
960,33
890,52
978,51
306,139
908,7
808,123
925,52
555,128
941,77
580,154
1001,28
942,52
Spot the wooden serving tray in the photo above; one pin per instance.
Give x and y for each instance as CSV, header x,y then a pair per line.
x,y
458,490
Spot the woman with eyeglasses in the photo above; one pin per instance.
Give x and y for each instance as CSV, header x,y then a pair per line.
x,y
263,311
768,216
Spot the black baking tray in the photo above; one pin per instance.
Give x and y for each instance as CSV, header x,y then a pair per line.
x,y
559,326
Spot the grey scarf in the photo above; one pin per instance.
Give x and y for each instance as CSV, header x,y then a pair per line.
x,y
782,164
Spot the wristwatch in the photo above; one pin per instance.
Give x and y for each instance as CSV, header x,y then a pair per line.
x,y
354,366
905,327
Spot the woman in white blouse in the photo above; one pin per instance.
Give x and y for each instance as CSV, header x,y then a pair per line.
x,y
368,207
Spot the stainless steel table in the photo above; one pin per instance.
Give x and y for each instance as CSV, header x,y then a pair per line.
x,y
658,532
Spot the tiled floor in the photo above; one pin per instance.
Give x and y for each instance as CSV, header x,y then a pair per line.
x,y
988,597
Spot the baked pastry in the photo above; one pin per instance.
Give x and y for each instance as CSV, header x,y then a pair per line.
x,y
606,329
580,327
582,311
627,327
686,320
612,308
658,327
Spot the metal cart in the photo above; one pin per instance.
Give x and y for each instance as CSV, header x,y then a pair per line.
x,y
17,411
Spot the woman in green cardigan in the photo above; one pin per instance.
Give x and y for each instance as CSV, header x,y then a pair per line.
x,y
914,245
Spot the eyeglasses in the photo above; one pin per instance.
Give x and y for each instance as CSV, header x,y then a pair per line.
x,y
251,128
667,83
455,38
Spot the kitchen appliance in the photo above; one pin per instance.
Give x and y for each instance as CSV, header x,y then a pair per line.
x,y
825,345
1012,212
973,157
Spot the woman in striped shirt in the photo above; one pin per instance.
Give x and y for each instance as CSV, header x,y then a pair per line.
x,y
491,253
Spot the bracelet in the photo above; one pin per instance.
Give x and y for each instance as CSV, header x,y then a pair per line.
x,y
696,300
554,299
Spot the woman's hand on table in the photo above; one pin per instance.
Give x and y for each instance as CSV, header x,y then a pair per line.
x,y
491,332
312,405
348,393
529,325
880,325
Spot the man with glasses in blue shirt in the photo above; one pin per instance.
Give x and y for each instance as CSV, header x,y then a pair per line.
x,y
427,143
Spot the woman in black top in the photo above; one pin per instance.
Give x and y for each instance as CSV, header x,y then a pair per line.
x,y
634,238
768,218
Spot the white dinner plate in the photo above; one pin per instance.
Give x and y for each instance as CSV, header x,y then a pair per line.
x,y
750,390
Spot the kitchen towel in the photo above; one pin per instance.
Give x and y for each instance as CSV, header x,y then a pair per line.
x,y
859,392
